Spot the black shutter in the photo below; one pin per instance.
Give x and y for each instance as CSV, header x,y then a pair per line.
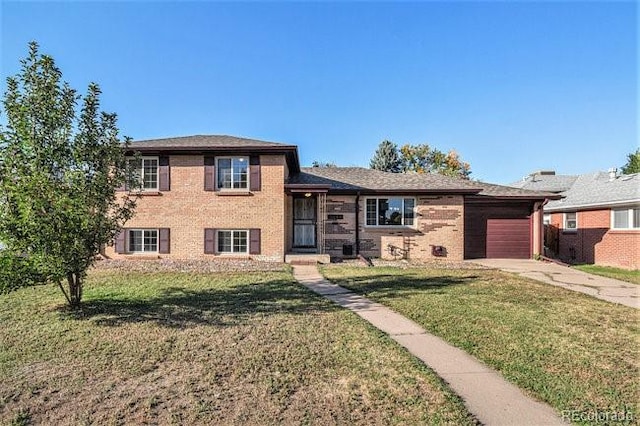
x,y
254,241
254,173
164,240
121,241
209,174
209,241
164,174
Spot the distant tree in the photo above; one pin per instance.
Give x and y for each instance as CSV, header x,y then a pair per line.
x,y
386,158
59,170
633,163
317,163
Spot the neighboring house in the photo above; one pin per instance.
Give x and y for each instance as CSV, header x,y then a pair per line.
x,y
597,220
222,196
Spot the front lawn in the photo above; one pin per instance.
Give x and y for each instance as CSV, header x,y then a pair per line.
x,y
568,349
631,276
184,348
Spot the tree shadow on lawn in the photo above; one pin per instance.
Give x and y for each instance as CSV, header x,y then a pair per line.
x,y
179,307
389,285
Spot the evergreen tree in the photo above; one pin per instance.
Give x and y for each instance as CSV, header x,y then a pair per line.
x,y
386,158
633,163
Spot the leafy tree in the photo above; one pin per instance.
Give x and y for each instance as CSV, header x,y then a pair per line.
x,y
633,163
317,163
386,158
59,169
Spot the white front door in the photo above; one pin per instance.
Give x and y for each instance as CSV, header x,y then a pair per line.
x,y
304,222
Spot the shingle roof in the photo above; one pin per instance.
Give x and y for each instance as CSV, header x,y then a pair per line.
x,y
206,141
598,189
360,179
542,182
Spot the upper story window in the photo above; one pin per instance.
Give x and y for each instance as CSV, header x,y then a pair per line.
x,y
146,169
143,240
571,221
233,173
390,211
625,218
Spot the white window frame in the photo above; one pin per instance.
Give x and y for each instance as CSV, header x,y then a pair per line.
x,y
564,222
218,187
141,172
546,218
143,230
233,251
377,225
630,226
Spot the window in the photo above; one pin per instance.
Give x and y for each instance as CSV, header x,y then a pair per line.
x,y
625,218
571,221
390,211
233,173
546,218
233,241
143,240
146,169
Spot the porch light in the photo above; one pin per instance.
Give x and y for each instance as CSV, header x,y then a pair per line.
x,y
307,194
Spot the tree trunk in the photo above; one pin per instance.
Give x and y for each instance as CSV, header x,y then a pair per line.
x,y
75,288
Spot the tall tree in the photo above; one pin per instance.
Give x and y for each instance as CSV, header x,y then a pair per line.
x,y
421,158
59,170
633,163
386,158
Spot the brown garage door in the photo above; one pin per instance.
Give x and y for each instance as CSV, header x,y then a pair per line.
x,y
508,238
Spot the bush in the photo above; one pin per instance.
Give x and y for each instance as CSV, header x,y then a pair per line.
x,y
17,271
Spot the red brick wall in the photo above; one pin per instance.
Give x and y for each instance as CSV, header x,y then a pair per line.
x,y
594,242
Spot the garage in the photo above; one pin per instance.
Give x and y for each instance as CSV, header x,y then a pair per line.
x,y
497,230
508,239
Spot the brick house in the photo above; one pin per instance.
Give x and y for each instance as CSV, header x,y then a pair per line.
x,y
598,219
222,196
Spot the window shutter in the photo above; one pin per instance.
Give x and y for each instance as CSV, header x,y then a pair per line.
x,y
209,241
254,173
164,174
254,241
121,241
164,240
209,174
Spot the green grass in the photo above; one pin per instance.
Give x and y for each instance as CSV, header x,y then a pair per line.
x,y
567,349
181,348
631,276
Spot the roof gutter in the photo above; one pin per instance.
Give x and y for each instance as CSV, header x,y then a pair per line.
x,y
593,205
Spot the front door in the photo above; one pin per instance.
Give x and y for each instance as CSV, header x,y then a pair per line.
x,y
304,222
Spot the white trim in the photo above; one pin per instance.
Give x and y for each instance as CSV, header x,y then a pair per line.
x,y
590,206
141,170
232,252
390,227
629,211
564,222
217,181
546,218
143,230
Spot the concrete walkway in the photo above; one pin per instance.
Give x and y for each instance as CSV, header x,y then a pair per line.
x,y
608,289
487,395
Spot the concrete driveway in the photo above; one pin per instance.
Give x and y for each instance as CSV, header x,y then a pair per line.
x,y
608,289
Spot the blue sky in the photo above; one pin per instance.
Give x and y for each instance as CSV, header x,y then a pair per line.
x,y
512,86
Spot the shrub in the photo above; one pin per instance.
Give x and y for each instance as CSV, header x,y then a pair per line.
x,y
17,271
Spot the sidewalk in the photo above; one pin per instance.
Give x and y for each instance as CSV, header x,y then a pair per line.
x,y
604,288
487,395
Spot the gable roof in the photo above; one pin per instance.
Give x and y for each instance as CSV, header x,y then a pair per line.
x,y
358,179
599,189
218,144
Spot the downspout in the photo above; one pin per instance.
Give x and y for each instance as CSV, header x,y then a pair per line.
x,y
358,223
